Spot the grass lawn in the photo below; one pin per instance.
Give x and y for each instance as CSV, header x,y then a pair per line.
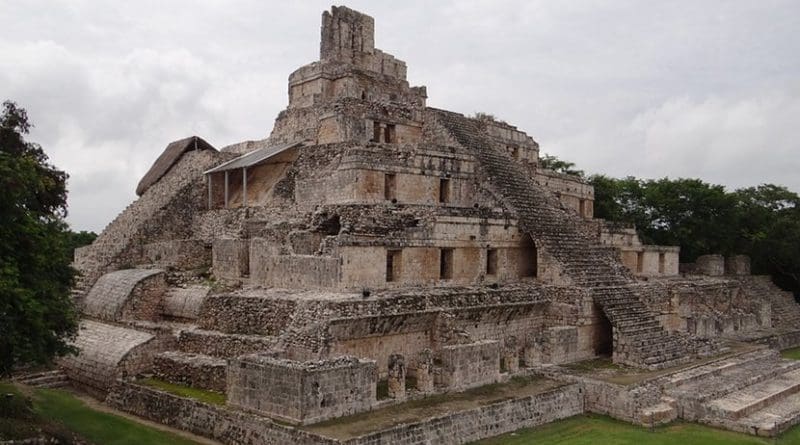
x,y
793,353
592,429
203,395
64,410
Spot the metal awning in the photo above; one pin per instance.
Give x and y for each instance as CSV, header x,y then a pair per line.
x,y
252,158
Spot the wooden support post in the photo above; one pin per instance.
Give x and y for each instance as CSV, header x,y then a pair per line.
x,y
244,186
210,200
226,189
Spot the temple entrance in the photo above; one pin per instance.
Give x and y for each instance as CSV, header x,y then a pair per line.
x,y
528,258
603,338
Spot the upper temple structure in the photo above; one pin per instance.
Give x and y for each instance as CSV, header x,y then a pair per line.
x,y
373,250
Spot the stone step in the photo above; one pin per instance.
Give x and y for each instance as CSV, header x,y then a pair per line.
x,y
44,379
733,379
773,419
717,368
753,398
190,369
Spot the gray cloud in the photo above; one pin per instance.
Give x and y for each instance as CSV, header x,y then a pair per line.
x,y
682,89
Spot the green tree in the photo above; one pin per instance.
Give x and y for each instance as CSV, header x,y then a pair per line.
x,y
768,224
37,316
78,239
551,162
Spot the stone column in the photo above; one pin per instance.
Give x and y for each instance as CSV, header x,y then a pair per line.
x,y
397,377
425,371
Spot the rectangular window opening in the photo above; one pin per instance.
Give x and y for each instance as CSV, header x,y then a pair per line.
x,y
639,262
389,186
661,261
389,134
491,262
392,265
376,131
446,264
444,190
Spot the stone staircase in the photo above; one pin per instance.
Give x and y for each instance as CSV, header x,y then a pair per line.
x,y
756,393
43,379
785,310
639,339
142,218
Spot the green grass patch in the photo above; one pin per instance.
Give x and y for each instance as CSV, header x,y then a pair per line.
x,y
590,429
60,414
98,427
793,353
203,395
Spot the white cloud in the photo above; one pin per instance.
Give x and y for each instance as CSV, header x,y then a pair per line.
x,y
684,88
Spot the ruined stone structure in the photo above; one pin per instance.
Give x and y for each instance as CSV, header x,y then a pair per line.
x,y
371,241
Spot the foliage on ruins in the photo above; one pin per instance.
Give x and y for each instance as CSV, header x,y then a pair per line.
x,y
551,162
36,313
762,222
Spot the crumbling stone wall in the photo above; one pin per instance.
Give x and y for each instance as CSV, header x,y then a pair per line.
x,y
301,392
194,370
225,425
232,427
712,265
230,258
177,254
708,307
485,421
164,212
556,345
219,344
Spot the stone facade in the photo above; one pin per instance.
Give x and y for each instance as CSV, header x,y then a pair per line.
x,y
301,392
372,240
469,365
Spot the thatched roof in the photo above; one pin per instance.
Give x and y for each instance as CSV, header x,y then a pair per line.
x,y
168,158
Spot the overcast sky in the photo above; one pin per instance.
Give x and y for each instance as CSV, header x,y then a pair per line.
x,y
694,88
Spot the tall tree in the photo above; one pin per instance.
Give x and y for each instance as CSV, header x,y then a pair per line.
x,y
37,316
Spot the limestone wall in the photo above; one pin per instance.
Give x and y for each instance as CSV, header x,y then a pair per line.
x,y
126,294
247,314
218,344
178,254
230,258
195,370
235,427
713,265
708,307
293,271
222,424
482,422
470,365
572,191
301,392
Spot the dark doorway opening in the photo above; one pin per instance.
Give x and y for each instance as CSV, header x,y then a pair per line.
x,y
603,334
528,258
